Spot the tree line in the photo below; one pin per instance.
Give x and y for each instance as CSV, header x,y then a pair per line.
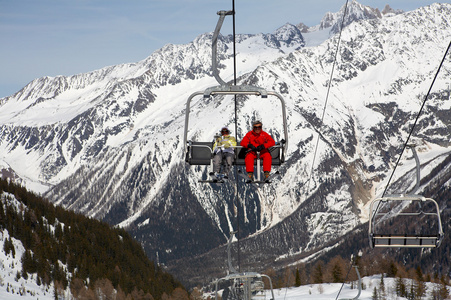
x,y
84,254
410,283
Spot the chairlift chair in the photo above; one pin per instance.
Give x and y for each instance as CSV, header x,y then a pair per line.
x,y
201,152
384,231
394,220
245,286
242,286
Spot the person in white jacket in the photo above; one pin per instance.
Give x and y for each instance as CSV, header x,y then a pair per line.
x,y
223,148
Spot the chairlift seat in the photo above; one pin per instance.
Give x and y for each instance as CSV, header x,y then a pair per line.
x,y
201,153
380,240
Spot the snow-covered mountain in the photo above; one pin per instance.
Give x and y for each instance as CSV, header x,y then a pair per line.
x,y
109,143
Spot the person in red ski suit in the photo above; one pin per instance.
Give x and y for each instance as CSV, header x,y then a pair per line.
x,y
257,140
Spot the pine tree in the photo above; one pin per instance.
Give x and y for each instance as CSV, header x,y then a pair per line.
x,y
411,294
420,286
374,296
337,273
401,290
382,287
443,291
318,273
6,246
12,248
28,262
55,292
392,269
297,279
179,294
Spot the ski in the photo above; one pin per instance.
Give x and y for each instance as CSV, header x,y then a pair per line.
x,y
215,178
211,181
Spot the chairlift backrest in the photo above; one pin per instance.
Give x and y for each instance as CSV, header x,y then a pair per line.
x,y
199,153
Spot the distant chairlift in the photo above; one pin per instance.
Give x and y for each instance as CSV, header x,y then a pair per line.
x,y
405,220
242,286
359,285
201,153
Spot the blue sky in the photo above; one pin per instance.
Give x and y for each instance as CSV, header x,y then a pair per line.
x,y
66,37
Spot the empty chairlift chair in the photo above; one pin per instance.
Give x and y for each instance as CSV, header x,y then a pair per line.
x,y
244,285
405,220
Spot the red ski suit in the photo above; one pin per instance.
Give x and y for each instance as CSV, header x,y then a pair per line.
x,y
258,139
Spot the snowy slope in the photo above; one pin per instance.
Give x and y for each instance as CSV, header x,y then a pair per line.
x,y
10,286
329,291
109,143
13,286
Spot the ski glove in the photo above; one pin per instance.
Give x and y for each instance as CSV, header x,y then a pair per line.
x,y
252,147
260,148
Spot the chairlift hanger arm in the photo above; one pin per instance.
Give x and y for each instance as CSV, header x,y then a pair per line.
x,y
214,45
418,167
229,256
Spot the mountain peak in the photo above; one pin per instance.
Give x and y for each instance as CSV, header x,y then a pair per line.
x,y
354,12
390,11
290,35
